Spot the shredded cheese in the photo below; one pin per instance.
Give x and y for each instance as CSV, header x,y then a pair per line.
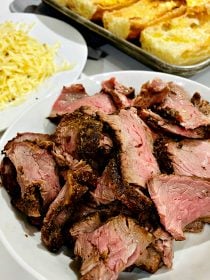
x,y
24,62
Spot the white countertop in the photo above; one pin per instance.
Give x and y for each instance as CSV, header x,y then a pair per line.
x,y
115,60
9,269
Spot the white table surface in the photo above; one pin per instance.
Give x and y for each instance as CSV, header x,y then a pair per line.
x,y
9,269
114,61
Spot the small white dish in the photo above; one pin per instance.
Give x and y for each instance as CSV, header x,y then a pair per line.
x,y
72,48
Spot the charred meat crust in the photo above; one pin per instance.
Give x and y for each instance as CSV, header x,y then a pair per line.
x,y
202,105
83,136
162,156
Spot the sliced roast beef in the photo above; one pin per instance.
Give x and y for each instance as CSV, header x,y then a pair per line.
x,y
67,96
135,143
158,253
163,243
186,157
119,93
40,139
172,101
109,186
62,158
35,181
81,135
62,208
75,96
177,106
163,125
108,151
180,200
111,248
152,93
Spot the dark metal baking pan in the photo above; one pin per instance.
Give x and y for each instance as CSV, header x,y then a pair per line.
x,y
129,48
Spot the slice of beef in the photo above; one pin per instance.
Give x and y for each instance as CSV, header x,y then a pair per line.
x,y
135,143
40,139
33,182
81,135
187,157
164,126
67,96
119,93
45,141
110,188
111,248
178,107
152,93
75,96
109,185
160,252
172,101
180,200
202,105
62,208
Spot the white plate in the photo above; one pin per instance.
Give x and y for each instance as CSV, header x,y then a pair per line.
x,y
191,260
72,48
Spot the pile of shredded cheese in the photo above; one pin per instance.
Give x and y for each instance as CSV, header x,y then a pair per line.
x,y
24,62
